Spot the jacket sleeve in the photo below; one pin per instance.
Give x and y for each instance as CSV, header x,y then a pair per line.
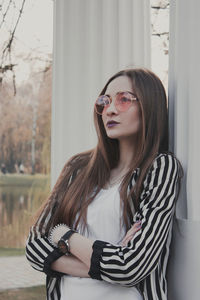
x,y
129,265
39,251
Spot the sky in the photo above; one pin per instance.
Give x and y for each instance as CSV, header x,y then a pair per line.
x,y
34,35
36,26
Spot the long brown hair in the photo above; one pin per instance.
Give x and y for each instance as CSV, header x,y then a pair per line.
x,y
86,173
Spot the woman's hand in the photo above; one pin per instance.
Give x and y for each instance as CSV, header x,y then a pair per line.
x,y
130,234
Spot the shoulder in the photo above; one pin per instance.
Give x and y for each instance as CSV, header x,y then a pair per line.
x,y
78,161
164,167
167,159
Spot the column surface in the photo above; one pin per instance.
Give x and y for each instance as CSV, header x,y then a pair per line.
x,y
184,107
92,40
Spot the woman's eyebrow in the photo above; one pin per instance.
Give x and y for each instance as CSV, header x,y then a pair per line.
x,y
132,93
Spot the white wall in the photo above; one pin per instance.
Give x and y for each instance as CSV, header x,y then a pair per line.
x,y
184,104
92,40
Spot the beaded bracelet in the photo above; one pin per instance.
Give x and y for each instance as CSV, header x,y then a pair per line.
x,y
56,233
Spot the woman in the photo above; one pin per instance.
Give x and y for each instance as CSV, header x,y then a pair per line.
x,y
119,197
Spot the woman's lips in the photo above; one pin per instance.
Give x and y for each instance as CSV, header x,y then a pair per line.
x,y
112,124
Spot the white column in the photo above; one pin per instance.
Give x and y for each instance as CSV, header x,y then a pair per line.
x,y
184,97
93,39
184,107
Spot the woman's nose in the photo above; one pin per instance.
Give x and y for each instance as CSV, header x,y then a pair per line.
x,y
111,109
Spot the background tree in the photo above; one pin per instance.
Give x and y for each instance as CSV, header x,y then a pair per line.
x,y
25,109
160,38
16,9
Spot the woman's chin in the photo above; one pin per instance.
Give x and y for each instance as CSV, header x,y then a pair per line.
x,y
113,136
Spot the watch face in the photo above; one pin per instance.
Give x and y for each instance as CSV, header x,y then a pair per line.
x,y
62,246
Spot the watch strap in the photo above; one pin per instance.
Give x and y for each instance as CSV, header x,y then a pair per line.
x,y
67,235
63,243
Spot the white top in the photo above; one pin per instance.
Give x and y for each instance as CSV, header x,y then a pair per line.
x,y
103,219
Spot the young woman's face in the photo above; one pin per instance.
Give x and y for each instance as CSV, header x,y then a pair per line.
x,y
128,122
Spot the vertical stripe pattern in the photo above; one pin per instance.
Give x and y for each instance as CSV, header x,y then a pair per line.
x,y
143,262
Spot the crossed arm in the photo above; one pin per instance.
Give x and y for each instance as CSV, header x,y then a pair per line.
x,y
130,263
78,264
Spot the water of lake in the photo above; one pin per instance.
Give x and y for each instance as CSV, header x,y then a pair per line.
x,y
18,206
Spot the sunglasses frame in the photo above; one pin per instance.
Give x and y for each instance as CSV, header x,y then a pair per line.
x,y
133,98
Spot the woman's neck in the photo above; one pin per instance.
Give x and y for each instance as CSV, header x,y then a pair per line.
x,y
127,151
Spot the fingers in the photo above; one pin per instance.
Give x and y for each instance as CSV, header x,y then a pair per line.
x,y
135,227
126,240
130,234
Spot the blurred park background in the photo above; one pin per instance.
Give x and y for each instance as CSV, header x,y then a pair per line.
x,y
26,30
26,47
25,114
26,34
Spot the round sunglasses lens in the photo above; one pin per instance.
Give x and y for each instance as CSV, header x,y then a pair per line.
x,y
123,101
101,103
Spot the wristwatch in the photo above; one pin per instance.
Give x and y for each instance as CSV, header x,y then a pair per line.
x,y
63,244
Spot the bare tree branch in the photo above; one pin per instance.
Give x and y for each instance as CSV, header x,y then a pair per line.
x,y
4,15
7,68
7,49
160,7
160,34
9,45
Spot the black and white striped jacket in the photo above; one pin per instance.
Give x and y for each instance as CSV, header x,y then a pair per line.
x,y
143,262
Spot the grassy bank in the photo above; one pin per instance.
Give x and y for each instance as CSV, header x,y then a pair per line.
x,y
23,180
11,251
32,293
21,195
